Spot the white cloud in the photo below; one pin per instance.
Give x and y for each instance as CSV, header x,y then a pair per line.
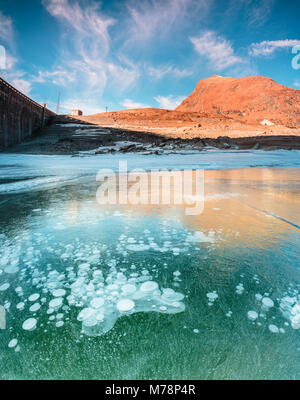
x,y
169,102
10,71
255,12
88,106
160,72
88,22
2,57
151,17
128,103
86,68
58,77
297,84
259,11
218,50
6,29
267,48
123,77
21,84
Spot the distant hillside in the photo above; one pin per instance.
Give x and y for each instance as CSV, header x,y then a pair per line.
x,y
253,99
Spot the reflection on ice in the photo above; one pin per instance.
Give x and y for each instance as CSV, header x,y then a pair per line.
x,y
56,169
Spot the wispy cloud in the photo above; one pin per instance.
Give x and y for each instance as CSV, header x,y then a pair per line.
x,y
90,106
123,77
128,103
6,30
22,84
169,102
297,84
87,67
11,71
57,77
163,70
16,76
255,12
217,49
267,48
87,21
259,12
151,17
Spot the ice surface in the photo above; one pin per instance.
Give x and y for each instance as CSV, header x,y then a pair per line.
x,y
56,169
76,125
92,272
201,237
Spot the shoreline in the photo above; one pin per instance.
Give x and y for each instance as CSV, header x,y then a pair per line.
x,y
74,138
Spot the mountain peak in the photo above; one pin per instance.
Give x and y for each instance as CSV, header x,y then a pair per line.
x,y
249,99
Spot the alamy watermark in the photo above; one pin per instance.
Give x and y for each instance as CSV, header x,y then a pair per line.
x,y
140,187
296,59
2,57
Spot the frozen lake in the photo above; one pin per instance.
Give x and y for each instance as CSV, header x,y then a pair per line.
x,y
108,292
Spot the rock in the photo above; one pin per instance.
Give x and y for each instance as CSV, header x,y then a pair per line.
x,y
226,95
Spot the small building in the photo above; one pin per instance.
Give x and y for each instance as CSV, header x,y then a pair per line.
x,y
76,112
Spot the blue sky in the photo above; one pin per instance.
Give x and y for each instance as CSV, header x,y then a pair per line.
x,y
138,53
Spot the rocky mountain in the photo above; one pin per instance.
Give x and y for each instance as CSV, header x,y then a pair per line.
x,y
253,99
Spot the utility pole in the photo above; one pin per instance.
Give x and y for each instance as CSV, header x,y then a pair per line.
x,y
58,101
106,108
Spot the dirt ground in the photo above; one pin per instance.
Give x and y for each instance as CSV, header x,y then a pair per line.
x,y
185,125
153,132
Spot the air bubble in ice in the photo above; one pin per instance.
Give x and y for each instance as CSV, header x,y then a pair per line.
x,y
29,324
13,343
273,328
97,302
125,305
33,297
212,296
4,287
56,303
267,302
252,315
149,286
58,292
35,307
20,306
